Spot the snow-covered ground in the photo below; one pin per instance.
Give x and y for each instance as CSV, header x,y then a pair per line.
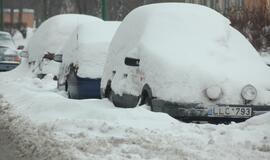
x,y
44,124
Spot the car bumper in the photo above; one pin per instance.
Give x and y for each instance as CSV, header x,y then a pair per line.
x,y
8,66
199,111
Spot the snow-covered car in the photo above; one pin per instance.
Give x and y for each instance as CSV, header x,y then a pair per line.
x,y
9,58
83,60
185,60
49,38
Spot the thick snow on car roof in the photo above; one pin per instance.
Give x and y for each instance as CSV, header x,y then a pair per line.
x,y
53,33
194,48
88,47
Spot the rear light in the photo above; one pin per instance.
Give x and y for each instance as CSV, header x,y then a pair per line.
x,y
18,59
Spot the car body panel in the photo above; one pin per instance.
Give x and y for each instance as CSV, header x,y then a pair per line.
x,y
82,88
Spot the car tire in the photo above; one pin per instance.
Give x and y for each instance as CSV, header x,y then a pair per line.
x,y
66,86
108,93
69,95
68,92
147,100
110,96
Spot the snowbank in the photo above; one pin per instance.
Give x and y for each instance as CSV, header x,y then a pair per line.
x,y
46,125
183,50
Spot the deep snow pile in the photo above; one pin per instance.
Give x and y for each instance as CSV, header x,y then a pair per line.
x,y
46,125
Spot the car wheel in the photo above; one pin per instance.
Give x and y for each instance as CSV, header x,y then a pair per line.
x,y
69,95
68,92
66,86
147,101
110,95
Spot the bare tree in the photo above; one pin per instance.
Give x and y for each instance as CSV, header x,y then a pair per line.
x,y
254,24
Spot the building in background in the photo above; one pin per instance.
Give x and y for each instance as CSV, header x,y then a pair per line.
x,y
18,19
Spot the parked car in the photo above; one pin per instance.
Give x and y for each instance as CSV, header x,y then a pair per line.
x,y
83,59
49,38
185,60
9,59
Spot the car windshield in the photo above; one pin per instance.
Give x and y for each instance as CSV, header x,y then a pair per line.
x,y
4,37
6,40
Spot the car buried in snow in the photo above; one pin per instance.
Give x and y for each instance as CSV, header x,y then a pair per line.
x,y
83,59
185,60
49,38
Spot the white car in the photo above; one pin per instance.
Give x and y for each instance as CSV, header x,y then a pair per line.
x,y
49,38
83,59
185,60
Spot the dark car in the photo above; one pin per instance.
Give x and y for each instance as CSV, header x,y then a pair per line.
x,y
84,56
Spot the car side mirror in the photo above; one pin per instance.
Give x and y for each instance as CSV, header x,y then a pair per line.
x,y
58,58
132,62
20,47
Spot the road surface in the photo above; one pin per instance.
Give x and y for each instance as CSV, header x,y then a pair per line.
x,y
7,150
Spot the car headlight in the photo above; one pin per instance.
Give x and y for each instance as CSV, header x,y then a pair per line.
x,y
249,92
213,93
